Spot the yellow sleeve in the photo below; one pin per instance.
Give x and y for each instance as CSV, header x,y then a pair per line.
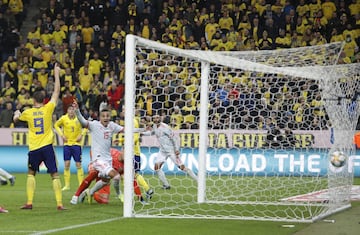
x,y
58,125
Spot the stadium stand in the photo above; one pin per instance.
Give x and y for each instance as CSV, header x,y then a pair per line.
x,y
88,39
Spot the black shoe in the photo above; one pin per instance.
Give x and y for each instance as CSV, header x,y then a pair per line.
x,y
149,194
12,181
3,182
166,186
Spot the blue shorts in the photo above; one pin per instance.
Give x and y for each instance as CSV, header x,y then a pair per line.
x,y
137,163
72,151
44,154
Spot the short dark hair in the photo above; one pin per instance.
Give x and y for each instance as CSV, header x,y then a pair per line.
x,y
104,110
39,96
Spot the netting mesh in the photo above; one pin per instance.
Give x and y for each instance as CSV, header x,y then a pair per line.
x,y
269,131
340,94
327,54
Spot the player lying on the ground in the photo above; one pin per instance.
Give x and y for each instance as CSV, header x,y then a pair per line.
x,y
5,176
102,196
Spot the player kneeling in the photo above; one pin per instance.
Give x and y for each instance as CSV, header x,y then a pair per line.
x,y
103,194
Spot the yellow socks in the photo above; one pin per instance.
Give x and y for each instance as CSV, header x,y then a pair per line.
x,y
67,178
80,174
30,188
57,190
141,181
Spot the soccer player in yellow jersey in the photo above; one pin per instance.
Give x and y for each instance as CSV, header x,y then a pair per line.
x,y
41,138
71,131
137,163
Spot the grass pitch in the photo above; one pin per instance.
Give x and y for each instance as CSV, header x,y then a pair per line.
x,y
107,219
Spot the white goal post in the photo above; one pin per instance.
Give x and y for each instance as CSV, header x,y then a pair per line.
x,y
245,171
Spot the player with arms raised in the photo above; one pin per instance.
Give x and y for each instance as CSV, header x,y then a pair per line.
x,y
41,138
101,133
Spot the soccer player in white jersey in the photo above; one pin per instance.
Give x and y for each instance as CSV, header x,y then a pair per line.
x,y
101,133
169,148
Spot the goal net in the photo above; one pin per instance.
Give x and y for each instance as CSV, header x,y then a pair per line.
x,y
258,129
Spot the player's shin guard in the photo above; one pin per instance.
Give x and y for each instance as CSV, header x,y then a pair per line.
x,y
30,188
191,173
57,190
80,174
162,177
67,176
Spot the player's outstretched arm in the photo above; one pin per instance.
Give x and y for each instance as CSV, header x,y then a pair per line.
x,y
82,120
56,92
147,131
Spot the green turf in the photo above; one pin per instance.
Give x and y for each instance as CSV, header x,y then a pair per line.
x,y
249,197
81,219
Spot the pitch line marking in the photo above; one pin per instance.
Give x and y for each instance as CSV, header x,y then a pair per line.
x,y
77,226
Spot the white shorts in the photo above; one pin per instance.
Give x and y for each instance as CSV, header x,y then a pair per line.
x,y
162,157
103,167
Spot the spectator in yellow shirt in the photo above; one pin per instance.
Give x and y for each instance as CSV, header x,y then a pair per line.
x,y
282,41
58,35
350,45
302,9
225,22
314,7
354,7
47,53
335,36
33,33
328,7
61,54
210,29
87,33
96,64
318,39
25,78
86,65
17,9
85,80
118,32
25,100
46,37
42,77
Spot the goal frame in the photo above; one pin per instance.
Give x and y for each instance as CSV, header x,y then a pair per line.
x,y
130,70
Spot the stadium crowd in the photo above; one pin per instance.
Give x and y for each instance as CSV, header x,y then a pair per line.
x,y
88,39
